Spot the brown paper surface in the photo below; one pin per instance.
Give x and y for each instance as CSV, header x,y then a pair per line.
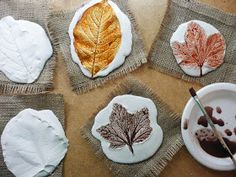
x,y
80,160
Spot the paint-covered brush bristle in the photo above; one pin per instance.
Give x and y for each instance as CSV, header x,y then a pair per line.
x,y
192,92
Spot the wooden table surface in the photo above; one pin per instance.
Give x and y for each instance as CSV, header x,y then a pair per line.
x,y
80,160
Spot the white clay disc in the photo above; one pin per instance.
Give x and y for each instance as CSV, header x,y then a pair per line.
x,y
24,49
198,47
126,40
141,150
33,143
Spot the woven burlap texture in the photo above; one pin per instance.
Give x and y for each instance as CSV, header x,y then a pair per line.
x,y
58,24
10,106
169,122
35,11
179,11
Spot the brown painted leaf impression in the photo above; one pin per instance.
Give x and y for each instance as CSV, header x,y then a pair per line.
x,y
198,49
97,37
125,128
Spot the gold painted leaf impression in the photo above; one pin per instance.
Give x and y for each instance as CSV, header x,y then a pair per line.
x,y
97,37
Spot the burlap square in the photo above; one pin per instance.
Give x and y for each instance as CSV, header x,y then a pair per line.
x,y
35,11
169,122
10,106
180,11
58,24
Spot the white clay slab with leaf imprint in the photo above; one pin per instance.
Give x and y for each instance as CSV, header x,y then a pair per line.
x,y
101,37
127,129
198,47
33,143
24,49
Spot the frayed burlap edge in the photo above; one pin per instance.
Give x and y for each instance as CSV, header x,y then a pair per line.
x,y
88,86
10,87
157,165
229,74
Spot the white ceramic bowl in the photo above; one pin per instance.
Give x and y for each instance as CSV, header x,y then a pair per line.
x,y
218,94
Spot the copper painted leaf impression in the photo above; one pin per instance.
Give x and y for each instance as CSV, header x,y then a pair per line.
x,y
198,47
97,37
125,128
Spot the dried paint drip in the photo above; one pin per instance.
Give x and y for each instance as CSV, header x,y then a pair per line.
x,y
218,110
203,121
210,144
185,124
228,132
198,47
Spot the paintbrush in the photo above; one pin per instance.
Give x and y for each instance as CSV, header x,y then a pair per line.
x,y
218,135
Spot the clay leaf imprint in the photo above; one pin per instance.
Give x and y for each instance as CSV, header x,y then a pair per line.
x,y
97,37
22,53
198,49
125,128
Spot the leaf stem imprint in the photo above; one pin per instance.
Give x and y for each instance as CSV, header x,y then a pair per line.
x,y
198,49
98,31
125,128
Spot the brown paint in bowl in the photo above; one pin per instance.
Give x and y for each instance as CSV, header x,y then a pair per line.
x,y
211,145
